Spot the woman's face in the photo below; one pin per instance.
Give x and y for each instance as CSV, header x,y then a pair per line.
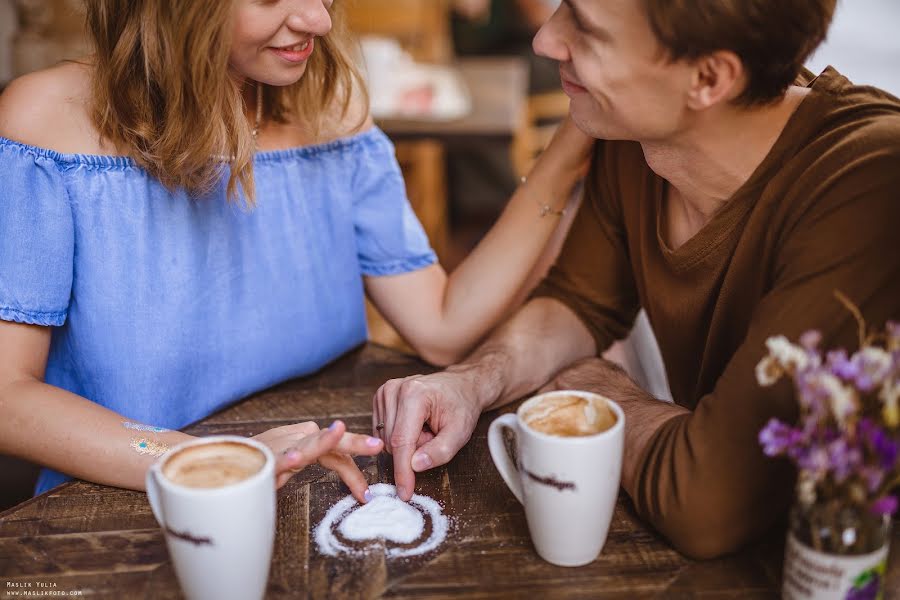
x,y
272,40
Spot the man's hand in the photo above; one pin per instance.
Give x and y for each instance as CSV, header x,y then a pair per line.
x,y
427,419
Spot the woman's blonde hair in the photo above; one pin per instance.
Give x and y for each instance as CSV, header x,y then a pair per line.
x,y
163,92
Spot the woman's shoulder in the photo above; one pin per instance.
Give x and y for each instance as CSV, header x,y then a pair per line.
x,y
340,121
50,109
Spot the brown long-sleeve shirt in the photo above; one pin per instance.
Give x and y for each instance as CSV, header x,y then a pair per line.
x,y
820,213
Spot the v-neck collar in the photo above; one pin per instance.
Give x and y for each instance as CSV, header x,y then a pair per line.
x,y
799,126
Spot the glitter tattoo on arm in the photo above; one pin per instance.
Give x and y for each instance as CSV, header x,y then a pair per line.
x,y
139,427
148,447
143,445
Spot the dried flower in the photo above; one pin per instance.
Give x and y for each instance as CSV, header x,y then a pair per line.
x,y
886,505
776,437
806,489
890,397
846,443
768,371
791,358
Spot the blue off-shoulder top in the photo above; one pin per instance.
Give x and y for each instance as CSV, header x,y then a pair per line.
x,y
167,308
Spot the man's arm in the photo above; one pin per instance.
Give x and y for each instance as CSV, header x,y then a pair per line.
x,y
587,301
701,477
543,337
644,414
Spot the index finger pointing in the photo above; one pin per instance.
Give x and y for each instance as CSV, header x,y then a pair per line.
x,y
411,416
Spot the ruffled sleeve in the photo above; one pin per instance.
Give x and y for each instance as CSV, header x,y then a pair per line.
x,y
389,238
36,237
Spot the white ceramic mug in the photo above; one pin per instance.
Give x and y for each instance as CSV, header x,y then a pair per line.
x,y
220,539
568,485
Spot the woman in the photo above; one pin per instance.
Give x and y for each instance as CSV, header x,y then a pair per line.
x,y
197,211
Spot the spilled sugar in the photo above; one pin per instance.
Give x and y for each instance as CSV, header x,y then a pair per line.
x,y
385,517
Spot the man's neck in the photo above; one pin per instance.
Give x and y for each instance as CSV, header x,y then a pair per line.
x,y
708,163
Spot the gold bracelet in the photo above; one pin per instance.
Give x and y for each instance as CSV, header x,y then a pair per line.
x,y
546,209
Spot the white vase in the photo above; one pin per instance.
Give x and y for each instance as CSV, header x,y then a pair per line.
x,y
835,554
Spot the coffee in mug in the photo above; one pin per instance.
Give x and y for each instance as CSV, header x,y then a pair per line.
x,y
569,415
566,471
213,465
215,500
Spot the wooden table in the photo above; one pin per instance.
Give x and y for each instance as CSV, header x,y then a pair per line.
x,y
104,541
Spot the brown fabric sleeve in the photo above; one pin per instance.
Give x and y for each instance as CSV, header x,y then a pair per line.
x,y
592,275
703,479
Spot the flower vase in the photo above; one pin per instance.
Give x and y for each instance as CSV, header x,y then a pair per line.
x,y
835,551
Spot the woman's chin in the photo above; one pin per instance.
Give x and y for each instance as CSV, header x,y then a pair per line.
x,y
278,77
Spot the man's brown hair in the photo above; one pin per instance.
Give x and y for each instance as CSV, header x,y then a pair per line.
x,y
772,38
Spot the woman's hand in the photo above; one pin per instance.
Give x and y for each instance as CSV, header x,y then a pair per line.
x,y
569,151
300,445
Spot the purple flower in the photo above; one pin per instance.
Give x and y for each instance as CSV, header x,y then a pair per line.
x,y
811,340
823,393
864,383
816,461
777,437
844,459
886,505
846,443
841,366
874,366
873,478
881,444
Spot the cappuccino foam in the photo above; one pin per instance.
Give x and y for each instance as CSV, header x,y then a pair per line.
x,y
213,465
569,416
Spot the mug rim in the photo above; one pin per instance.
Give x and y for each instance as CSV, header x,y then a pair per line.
x,y
162,480
617,410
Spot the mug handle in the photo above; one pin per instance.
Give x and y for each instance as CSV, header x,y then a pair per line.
x,y
153,497
502,460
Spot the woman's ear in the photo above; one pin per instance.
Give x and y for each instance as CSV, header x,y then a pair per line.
x,y
718,77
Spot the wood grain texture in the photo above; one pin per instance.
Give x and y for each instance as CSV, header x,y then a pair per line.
x,y
105,542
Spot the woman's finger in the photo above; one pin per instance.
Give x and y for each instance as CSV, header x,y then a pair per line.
x,y
282,479
295,430
307,450
349,473
355,444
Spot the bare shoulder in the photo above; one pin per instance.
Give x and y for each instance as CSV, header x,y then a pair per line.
x,y
51,109
339,122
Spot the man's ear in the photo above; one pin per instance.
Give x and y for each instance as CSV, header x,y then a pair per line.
x,y
718,77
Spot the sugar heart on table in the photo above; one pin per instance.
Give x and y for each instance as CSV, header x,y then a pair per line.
x,y
384,517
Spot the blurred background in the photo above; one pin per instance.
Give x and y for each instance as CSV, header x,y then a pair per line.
x,y
455,85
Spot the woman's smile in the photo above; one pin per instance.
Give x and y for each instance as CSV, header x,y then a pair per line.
x,y
296,52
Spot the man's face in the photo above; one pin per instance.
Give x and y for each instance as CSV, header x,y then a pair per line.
x,y
613,68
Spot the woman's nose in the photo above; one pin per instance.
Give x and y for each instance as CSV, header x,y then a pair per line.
x,y
310,16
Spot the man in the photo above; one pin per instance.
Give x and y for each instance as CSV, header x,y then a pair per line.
x,y
730,205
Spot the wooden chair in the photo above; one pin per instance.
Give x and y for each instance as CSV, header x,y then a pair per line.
x,y
421,26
